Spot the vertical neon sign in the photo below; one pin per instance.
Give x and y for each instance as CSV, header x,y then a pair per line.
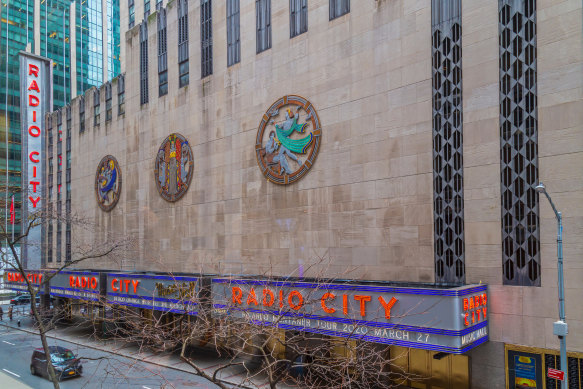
x,y
36,99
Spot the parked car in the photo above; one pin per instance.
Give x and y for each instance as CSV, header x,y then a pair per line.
x,y
23,299
64,361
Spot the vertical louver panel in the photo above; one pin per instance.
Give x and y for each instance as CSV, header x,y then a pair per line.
x,y
519,143
448,188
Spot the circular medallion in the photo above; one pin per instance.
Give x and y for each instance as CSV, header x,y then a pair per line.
x,y
288,140
174,167
108,183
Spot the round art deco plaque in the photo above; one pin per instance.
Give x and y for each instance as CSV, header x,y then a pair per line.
x,y
108,183
174,167
288,140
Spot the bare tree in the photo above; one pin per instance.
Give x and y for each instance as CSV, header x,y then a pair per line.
x,y
257,348
82,253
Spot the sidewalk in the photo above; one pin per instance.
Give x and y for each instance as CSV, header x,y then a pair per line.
x,y
234,375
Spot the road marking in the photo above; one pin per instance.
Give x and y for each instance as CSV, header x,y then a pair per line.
x,y
9,372
145,387
12,344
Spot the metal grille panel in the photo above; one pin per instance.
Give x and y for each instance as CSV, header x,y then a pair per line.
x,y
448,196
518,142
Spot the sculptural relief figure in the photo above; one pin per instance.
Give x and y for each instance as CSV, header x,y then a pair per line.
x,y
107,183
162,171
174,167
288,139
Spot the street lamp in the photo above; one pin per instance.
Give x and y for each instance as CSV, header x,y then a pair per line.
x,y
560,327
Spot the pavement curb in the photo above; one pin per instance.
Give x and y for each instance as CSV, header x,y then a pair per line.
x,y
124,355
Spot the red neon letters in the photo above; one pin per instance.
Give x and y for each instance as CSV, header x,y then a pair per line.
x,y
124,285
34,130
475,309
83,282
295,300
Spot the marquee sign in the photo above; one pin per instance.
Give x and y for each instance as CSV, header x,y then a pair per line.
x,y
15,281
439,319
76,284
36,100
168,293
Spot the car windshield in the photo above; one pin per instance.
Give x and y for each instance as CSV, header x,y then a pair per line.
x,y
62,357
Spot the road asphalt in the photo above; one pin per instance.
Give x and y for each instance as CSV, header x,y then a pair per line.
x,y
106,364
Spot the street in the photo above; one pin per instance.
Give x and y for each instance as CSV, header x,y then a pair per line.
x,y
101,369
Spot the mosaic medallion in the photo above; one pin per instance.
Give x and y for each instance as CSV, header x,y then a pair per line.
x,y
174,167
288,140
108,183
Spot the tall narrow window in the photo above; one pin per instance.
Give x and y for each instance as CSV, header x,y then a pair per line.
x,y
183,71
121,89
82,114
298,17
339,8
448,187
50,239
96,107
519,143
146,8
206,38
108,108
158,5
131,13
233,33
263,16
162,54
59,239
143,63
68,185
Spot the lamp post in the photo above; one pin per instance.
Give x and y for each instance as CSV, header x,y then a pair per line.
x,y
560,327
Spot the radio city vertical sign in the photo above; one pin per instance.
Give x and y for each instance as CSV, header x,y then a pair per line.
x,y
36,99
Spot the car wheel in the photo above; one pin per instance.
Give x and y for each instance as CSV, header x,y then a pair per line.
x,y
32,370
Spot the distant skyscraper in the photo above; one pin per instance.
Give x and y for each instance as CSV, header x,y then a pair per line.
x,y
82,37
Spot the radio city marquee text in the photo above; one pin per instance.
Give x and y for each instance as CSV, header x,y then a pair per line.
x,y
34,130
33,278
328,303
475,309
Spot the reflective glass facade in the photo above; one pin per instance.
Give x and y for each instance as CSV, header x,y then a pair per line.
x,y
16,28
56,42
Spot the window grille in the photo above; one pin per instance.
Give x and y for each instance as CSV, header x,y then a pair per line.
x,y
108,98
50,242
162,54
132,13
206,34
519,143
183,71
233,33
59,238
143,63
96,108
448,188
121,94
263,22
298,17
82,114
339,8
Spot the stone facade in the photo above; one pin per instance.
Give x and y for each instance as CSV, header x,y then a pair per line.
x,y
364,211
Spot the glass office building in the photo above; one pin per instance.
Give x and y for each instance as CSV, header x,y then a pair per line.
x,y
71,34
